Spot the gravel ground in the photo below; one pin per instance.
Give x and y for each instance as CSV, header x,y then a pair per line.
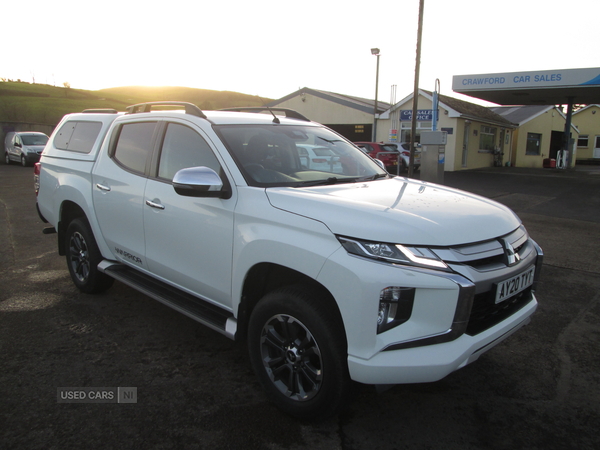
x,y
540,389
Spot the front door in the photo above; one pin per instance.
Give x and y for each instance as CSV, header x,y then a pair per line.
x,y
465,152
189,240
597,147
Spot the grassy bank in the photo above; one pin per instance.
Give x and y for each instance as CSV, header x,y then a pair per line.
x,y
45,104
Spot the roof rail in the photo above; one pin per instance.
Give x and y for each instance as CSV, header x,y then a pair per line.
x,y
289,113
100,111
147,107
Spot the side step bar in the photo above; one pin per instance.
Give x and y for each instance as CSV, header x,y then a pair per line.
x,y
200,310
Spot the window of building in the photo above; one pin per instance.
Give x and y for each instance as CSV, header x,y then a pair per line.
x,y
534,144
405,130
487,139
583,141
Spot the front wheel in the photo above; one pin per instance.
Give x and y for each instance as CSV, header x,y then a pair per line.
x,y
83,257
23,161
299,353
6,158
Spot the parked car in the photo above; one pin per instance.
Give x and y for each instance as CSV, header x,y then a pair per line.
x,y
405,155
315,157
329,278
24,147
383,152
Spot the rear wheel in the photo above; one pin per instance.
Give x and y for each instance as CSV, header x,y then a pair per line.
x,y
83,257
299,353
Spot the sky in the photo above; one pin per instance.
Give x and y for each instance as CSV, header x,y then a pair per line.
x,y
273,48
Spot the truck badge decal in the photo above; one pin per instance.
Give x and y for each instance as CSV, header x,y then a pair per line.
x,y
128,255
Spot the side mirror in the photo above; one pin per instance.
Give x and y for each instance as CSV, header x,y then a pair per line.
x,y
199,182
380,162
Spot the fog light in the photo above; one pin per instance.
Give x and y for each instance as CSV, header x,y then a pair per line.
x,y
395,307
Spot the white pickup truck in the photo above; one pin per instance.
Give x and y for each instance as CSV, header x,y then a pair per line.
x,y
330,276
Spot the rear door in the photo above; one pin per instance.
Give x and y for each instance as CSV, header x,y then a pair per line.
x,y
119,180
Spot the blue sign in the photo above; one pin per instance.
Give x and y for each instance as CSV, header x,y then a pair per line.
x,y
422,114
539,79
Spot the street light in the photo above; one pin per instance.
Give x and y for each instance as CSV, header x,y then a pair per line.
x,y
375,51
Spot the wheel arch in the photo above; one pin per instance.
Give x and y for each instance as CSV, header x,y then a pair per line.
x,y
69,211
263,278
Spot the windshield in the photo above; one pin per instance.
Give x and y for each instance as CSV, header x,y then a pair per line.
x,y
296,155
390,148
34,139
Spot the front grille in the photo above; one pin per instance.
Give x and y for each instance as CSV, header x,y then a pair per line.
x,y
485,313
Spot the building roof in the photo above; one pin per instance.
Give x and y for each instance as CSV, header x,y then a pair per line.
x,y
521,114
360,104
586,107
462,109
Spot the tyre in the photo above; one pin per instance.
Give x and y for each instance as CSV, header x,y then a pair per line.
x,y
83,257
298,351
6,158
403,166
23,161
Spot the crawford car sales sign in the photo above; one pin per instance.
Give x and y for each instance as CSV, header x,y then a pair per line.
x,y
539,79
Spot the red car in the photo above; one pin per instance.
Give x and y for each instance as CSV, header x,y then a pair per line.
x,y
388,154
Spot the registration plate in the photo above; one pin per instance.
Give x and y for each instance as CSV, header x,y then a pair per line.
x,y
514,285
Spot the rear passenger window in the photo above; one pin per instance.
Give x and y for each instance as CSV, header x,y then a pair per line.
x,y
182,148
134,145
77,136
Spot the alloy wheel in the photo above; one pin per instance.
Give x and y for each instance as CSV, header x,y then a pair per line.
x,y
291,357
79,257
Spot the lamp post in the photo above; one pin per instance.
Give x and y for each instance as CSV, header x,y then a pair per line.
x,y
375,51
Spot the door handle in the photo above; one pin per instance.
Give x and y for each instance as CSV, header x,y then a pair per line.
x,y
154,204
102,187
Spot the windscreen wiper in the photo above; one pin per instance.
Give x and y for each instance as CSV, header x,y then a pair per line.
x,y
330,180
331,141
373,177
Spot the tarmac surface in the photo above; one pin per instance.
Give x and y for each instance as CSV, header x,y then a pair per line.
x,y
539,389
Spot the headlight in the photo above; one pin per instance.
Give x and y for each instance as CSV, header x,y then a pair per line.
x,y
393,253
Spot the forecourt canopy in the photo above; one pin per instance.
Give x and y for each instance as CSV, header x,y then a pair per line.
x,y
544,87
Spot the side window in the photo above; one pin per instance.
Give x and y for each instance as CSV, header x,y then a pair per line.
x,y
134,145
182,148
77,136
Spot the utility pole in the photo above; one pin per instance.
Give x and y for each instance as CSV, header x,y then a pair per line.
x,y
413,128
375,51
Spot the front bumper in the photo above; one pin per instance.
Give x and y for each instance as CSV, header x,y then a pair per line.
x,y
434,362
455,316
32,158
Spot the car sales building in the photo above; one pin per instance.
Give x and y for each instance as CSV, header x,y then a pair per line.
x,y
352,117
476,136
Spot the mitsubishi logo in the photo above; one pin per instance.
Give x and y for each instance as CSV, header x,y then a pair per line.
x,y
512,257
